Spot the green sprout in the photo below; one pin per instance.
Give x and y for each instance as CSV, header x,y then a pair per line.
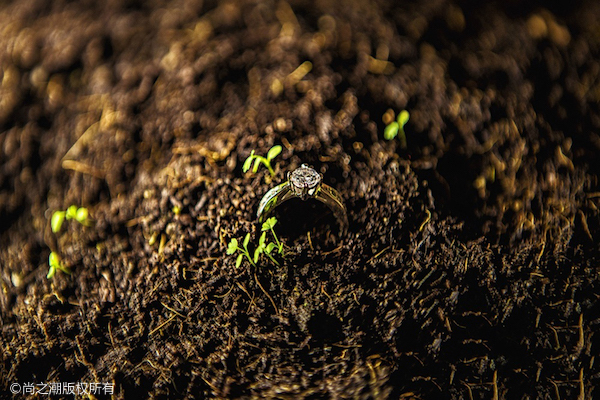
x,y
395,127
232,247
262,248
268,225
55,264
73,212
79,214
266,161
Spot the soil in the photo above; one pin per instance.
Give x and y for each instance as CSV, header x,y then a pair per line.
x,y
470,268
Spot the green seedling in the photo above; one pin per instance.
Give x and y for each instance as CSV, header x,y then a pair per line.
x,y
262,248
266,161
55,264
79,214
268,225
71,212
397,127
233,246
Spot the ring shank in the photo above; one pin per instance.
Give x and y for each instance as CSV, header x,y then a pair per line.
x,y
273,198
332,199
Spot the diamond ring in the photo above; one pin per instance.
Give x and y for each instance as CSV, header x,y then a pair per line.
x,y
304,182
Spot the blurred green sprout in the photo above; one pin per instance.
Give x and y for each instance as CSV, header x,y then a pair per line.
x,y
257,160
55,264
79,214
396,128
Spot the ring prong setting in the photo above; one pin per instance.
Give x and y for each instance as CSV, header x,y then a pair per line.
x,y
305,181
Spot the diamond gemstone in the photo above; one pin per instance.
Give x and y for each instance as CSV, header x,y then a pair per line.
x,y
305,180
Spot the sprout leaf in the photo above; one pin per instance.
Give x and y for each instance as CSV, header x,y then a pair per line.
x,y
72,212
248,162
57,220
269,224
391,131
232,246
403,118
82,215
256,165
274,152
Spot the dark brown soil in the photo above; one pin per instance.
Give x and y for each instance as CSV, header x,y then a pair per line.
x,y
471,265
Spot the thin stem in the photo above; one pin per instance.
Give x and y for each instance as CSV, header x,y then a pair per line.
x,y
268,165
272,259
245,252
275,236
279,245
